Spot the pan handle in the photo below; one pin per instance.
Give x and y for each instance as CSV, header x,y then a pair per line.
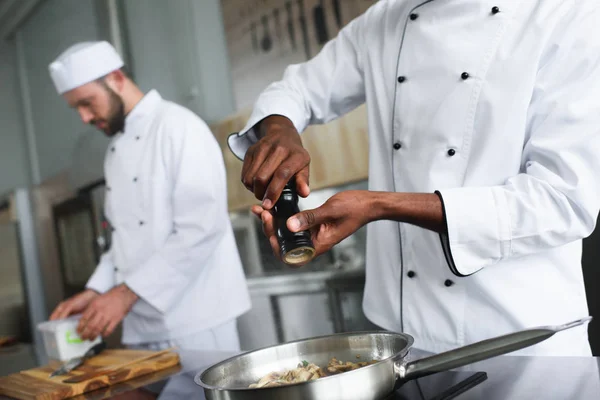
x,y
481,350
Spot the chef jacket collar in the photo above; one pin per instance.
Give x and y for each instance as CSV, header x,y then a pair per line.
x,y
145,106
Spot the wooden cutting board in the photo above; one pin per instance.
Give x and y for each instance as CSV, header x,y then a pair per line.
x,y
35,383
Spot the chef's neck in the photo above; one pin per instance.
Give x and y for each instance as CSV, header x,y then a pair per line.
x,y
131,96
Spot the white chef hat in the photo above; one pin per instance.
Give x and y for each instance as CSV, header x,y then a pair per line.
x,y
83,63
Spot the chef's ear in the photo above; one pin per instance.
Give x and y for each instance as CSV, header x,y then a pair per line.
x,y
116,80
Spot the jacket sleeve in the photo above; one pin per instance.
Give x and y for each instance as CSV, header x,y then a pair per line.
x,y
555,199
103,278
199,212
324,88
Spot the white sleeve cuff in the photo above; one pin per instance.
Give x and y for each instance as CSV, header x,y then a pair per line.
x,y
239,143
478,224
268,104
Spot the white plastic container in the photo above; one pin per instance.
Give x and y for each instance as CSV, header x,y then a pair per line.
x,y
61,339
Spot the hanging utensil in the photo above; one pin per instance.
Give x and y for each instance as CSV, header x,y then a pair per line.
x,y
76,362
320,23
337,11
290,24
254,35
278,34
230,379
304,28
266,42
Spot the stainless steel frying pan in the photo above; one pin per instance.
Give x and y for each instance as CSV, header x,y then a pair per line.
x,y
229,379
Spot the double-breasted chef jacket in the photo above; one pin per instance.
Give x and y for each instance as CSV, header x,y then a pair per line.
x,y
172,239
496,106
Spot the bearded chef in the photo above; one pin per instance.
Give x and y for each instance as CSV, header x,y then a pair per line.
x,y
484,129
173,274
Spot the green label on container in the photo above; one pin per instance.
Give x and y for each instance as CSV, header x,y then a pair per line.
x,y
71,338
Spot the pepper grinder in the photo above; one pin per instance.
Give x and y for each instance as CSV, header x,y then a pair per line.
x,y
296,248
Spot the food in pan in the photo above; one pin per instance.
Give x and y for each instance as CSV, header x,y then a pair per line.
x,y
336,367
303,373
308,372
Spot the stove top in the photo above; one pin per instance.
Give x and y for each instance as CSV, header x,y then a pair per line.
x,y
440,386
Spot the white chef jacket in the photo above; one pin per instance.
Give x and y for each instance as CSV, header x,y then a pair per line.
x,y
172,240
495,104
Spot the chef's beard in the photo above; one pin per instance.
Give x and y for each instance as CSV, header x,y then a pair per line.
x,y
115,122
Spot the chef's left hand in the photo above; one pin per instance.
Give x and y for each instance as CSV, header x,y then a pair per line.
x,y
105,312
340,216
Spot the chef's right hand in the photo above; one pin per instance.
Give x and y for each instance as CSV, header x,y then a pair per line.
x,y
340,216
275,159
74,305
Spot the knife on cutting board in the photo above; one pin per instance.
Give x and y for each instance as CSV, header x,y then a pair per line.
x,y
76,362
111,369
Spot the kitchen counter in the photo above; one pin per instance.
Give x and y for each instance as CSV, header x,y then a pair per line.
x,y
508,377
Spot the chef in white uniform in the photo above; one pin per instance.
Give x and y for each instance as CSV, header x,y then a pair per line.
x,y
173,273
484,129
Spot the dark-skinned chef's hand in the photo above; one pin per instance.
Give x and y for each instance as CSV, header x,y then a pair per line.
x,y
274,160
340,216
344,213
105,312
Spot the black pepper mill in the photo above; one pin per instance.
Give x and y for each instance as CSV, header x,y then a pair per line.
x,y
295,248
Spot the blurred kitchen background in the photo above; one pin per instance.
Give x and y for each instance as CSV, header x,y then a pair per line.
x,y
214,57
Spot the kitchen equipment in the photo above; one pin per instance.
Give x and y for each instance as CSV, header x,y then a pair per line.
x,y
443,386
61,340
77,227
104,371
254,36
320,23
290,24
77,361
337,11
304,28
278,33
230,379
296,248
13,305
266,42
22,294
35,384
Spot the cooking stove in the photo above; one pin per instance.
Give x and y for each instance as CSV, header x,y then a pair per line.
x,y
440,386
